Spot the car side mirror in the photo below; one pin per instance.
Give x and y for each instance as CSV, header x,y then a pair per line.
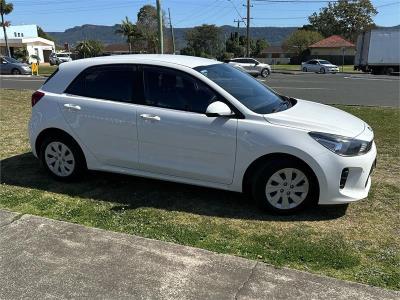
x,y
218,109
256,63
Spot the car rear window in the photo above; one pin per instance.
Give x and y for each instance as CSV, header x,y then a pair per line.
x,y
109,82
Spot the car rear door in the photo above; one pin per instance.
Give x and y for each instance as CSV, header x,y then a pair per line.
x,y
176,138
99,107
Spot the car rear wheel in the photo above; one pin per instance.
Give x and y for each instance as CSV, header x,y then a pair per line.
x,y
265,73
62,158
304,69
16,72
284,187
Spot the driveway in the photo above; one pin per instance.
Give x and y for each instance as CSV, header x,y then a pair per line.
x,y
42,259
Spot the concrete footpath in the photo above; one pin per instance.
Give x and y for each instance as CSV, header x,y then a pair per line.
x,y
42,258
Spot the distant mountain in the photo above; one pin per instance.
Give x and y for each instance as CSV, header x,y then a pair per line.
x,y
107,35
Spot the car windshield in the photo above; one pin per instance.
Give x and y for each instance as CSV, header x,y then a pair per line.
x,y
62,55
324,62
246,89
11,60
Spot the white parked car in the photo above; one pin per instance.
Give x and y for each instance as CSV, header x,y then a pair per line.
x,y
319,66
59,58
198,121
252,66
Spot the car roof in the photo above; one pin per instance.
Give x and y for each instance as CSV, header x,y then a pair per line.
x,y
183,60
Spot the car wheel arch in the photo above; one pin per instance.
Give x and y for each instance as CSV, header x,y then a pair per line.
x,y
261,161
56,132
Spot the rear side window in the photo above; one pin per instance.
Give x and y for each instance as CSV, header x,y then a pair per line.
x,y
109,82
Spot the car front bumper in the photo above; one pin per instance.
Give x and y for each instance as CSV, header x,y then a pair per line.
x,y
358,179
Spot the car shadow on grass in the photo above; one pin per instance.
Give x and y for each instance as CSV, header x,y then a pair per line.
x,y
130,192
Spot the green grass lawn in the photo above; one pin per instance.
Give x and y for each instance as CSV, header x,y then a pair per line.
x,y
347,68
360,242
46,70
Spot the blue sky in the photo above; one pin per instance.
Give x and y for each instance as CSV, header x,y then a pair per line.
x,y
58,15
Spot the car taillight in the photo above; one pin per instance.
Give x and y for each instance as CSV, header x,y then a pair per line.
x,y
36,96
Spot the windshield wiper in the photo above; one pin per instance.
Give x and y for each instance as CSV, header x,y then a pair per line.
x,y
285,101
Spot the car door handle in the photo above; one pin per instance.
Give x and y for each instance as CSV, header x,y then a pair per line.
x,y
150,117
72,107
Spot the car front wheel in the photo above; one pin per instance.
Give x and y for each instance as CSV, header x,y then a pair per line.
x,y
265,73
62,158
16,72
284,187
322,71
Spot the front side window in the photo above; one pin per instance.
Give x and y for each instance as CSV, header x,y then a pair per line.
x,y
177,90
249,91
109,82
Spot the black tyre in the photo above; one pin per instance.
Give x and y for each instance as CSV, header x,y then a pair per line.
x,y
304,69
322,71
16,72
265,73
284,186
62,158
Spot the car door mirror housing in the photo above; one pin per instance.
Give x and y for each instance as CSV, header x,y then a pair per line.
x,y
218,109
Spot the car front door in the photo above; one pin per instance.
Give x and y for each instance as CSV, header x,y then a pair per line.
x,y
99,107
5,67
176,137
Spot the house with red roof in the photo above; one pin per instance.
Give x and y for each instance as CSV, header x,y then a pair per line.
x,y
334,49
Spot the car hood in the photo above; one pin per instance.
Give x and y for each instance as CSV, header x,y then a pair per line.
x,y
313,116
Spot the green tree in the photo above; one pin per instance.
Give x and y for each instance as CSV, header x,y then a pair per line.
x,y
300,40
5,9
260,45
204,41
148,27
43,34
129,31
89,48
345,17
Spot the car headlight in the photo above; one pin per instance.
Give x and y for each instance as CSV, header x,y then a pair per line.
x,y
342,145
26,68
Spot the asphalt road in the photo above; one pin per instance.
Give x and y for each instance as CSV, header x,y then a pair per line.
x,y
360,89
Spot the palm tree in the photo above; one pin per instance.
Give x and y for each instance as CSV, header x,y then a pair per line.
x,y
129,30
89,48
5,9
83,48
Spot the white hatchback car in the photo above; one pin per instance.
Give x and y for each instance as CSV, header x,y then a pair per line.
x,y
201,122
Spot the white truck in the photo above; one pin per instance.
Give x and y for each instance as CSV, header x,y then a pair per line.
x,y
378,51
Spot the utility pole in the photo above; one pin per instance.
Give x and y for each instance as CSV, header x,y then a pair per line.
x,y
172,31
160,27
248,28
238,26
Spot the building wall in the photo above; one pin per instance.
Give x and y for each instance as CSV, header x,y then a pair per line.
x,y
20,31
332,51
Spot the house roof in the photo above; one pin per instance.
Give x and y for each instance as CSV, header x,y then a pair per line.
x,y
334,41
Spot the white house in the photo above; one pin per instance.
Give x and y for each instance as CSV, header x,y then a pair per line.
x,y
26,36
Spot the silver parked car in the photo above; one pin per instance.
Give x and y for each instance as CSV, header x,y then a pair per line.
x,y
58,58
252,66
9,65
319,66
